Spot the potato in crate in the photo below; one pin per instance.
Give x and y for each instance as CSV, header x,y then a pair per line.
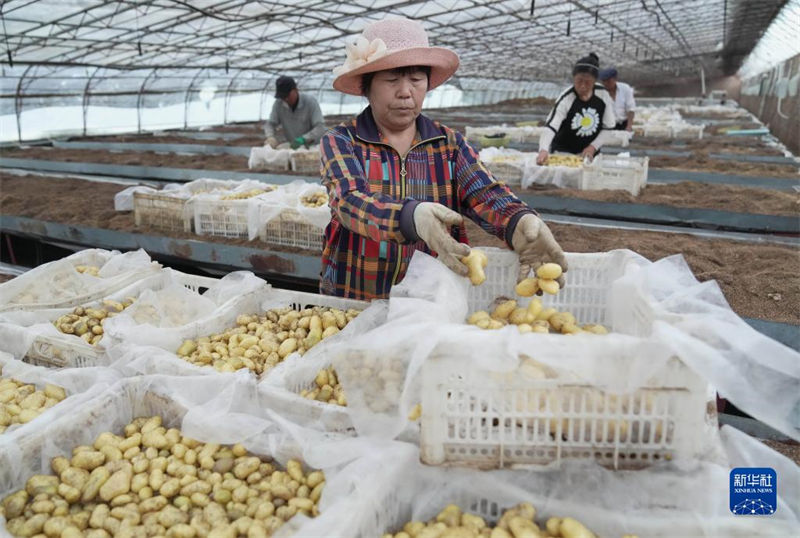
x,y
99,459
75,337
226,213
166,209
297,219
506,165
543,398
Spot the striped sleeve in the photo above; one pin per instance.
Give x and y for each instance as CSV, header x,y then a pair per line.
x,y
371,215
488,203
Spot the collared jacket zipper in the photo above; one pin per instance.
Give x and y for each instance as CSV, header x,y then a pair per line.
x,y
403,188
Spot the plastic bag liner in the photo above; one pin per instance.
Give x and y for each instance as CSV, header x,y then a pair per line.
x,y
662,501
433,291
263,209
174,305
80,384
267,158
279,387
123,200
759,375
286,198
60,281
317,216
236,293
567,177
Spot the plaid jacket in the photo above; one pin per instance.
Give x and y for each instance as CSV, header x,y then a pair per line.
x,y
367,250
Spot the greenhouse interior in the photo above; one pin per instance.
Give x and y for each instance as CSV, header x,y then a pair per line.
x,y
400,269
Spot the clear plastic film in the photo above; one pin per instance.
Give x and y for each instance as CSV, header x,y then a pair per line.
x,y
82,276
759,375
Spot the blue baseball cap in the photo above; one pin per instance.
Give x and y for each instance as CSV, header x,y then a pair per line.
x,y
608,73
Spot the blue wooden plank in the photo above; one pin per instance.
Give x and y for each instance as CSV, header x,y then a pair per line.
x,y
145,172
207,149
786,334
663,175
662,214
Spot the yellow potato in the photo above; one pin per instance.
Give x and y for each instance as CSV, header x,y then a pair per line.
x,y
477,316
527,287
476,261
549,271
549,286
504,309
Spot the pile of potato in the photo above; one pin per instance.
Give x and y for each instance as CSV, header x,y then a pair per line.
x,y
87,322
244,195
22,402
261,342
533,319
516,522
572,161
314,199
153,481
327,390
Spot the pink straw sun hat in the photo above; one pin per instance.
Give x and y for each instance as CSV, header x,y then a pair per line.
x,y
388,44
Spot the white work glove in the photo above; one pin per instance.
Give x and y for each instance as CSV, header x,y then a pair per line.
x,y
432,222
534,243
272,142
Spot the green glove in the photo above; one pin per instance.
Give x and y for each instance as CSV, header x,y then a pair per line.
x,y
297,142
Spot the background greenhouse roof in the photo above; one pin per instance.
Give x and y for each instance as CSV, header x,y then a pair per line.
x,y
512,40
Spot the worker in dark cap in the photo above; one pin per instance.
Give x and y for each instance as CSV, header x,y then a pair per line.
x,y
622,94
582,116
298,113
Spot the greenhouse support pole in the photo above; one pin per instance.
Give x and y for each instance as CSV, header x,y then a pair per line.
x,y
186,98
18,102
85,103
702,81
263,98
226,100
139,100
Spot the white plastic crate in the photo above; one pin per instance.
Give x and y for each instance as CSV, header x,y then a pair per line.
x,y
299,300
161,211
610,172
290,229
486,419
507,172
470,417
657,130
226,218
306,162
689,131
69,351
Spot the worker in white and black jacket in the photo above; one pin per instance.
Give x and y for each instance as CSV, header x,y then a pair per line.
x,y
582,117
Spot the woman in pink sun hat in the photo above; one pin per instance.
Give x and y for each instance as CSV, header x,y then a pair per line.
x,y
399,182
